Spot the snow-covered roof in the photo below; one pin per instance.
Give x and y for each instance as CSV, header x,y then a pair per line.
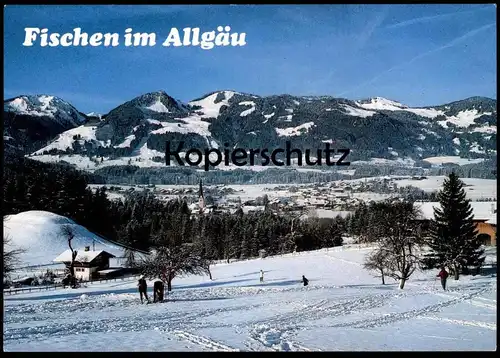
x,y
248,208
325,213
82,255
483,210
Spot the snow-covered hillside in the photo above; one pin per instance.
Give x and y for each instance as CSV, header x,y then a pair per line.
x,y
65,140
210,106
464,118
44,106
344,308
38,233
380,103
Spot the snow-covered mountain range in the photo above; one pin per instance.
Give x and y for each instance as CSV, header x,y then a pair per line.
x,y
30,121
135,132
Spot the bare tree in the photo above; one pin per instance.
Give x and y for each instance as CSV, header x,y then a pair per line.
x,y
68,232
10,256
208,263
166,263
377,261
129,255
398,236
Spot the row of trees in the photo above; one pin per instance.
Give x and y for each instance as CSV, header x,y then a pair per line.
x,y
183,243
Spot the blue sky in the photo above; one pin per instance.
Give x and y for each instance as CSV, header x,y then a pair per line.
x,y
415,54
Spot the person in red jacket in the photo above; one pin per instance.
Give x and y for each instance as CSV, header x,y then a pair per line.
x,y
443,275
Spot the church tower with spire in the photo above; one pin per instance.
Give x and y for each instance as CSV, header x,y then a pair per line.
x,y
201,198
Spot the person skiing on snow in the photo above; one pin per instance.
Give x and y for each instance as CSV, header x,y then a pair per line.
x,y
143,288
305,280
158,289
261,276
443,275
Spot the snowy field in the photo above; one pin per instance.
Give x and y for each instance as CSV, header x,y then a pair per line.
x,y
343,308
474,188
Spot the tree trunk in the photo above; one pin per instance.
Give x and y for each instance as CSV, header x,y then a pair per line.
x,y
169,284
402,283
209,273
72,264
456,273
383,277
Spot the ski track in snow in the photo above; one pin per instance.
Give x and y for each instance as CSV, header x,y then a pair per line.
x,y
274,333
462,322
203,341
395,317
270,332
471,302
343,260
267,338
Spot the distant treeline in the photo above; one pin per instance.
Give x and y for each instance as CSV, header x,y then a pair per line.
x,y
189,176
129,174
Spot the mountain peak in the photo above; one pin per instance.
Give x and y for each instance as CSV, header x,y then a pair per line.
x,y
380,103
43,105
158,101
386,101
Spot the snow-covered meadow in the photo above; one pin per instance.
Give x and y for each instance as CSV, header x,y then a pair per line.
x,y
343,308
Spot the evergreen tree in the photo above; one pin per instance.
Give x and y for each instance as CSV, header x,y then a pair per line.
x,y
335,237
453,239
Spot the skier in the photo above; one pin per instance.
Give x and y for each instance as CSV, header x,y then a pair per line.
x,y
443,275
158,289
305,280
143,288
261,276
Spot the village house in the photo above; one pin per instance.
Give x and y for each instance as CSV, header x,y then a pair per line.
x,y
88,264
485,218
